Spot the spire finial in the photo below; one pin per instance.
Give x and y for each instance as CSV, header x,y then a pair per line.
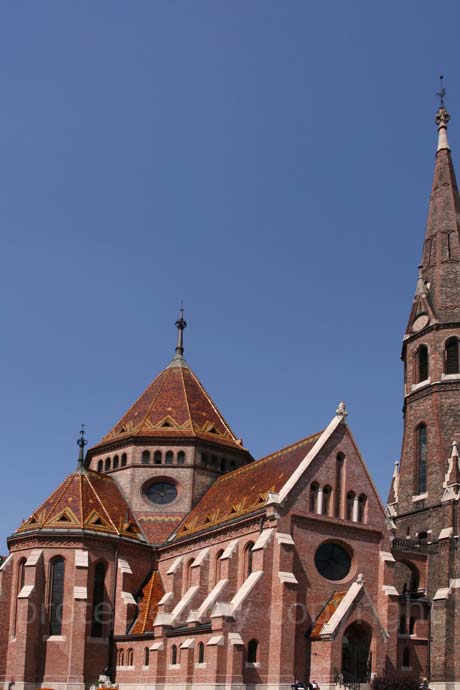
x,y
181,325
82,442
442,119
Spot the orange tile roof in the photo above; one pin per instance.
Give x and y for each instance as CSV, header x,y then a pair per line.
x,y
326,614
245,490
174,405
85,500
152,592
157,528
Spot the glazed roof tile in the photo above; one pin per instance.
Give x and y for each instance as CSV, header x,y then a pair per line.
x,y
326,614
151,594
85,500
246,489
174,405
157,528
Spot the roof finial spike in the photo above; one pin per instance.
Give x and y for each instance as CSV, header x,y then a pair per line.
x,y
82,442
181,325
442,119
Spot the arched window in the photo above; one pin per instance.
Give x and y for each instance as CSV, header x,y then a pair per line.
x,y
222,464
181,458
107,464
169,457
97,618
173,655
247,559
402,625
349,506
421,458
327,491
56,594
362,501
338,483
253,647
130,657
124,457
214,462
406,657
145,457
188,574
157,457
146,656
411,625
451,357
204,459
121,657
20,577
116,461
218,566
100,466
201,653
422,363
314,488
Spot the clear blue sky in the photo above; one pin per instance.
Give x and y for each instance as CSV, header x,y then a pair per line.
x,y
269,162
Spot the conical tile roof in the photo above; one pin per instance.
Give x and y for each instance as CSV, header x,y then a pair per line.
x,y
174,405
86,500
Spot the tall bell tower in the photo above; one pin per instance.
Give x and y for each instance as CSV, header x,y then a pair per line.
x,y
423,501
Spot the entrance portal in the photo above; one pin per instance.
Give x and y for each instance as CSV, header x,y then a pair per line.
x,y
356,652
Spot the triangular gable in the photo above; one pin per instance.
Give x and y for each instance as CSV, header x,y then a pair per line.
x,y
64,517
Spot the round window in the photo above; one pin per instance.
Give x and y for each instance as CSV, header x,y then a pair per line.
x,y
332,561
161,492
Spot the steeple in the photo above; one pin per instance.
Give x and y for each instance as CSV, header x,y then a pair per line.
x,y
81,442
437,296
181,324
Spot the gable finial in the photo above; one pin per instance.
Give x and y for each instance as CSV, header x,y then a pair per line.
x,y
341,410
442,119
181,325
82,442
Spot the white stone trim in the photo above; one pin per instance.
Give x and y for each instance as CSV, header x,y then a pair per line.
x,y
33,558
229,549
235,638
390,591
216,640
342,609
173,568
80,593
446,533
421,384
157,646
5,562
200,558
450,377
26,591
387,556
455,584
81,558
420,497
210,600
263,539
170,618
124,566
222,609
442,593
189,643
165,598
128,598
285,577
284,538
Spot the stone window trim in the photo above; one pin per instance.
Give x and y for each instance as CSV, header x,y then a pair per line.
x,y
252,664
203,665
420,497
173,666
421,384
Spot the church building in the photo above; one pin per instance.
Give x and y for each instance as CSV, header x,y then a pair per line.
x,y
170,558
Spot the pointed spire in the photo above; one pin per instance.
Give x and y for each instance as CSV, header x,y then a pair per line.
x,y
421,287
181,325
82,442
442,120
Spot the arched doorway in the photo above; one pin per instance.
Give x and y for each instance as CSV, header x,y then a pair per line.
x,y
356,652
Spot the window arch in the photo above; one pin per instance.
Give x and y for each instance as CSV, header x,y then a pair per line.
x,y
181,458
362,502
173,655
124,457
218,566
314,488
107,464
214,462
349,506
412,625
116,461
201,653
121,657
188,574
327,492
222,464
340,460
406,657
169,457
56,596
204,459
157,457
421,449
20,578
100,466
247,559
97,622
422,367
145,459
146,656
253,648
130,657
402,625
451,357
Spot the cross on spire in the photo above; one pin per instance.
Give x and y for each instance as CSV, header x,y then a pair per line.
x,y
82,442
181,325
441,93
